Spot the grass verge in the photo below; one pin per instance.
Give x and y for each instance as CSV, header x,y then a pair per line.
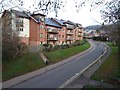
x,y
21,65
32,61
56,56
108,71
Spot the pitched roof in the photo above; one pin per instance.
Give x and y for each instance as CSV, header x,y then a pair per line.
x,y
49,22
24,14
62,22
38,14
21,14
70,22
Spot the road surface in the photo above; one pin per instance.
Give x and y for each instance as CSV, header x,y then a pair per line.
x,y
56,77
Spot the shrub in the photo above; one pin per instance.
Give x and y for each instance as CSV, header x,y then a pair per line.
x,y
62,46
48,47
22,49
56,47
99,38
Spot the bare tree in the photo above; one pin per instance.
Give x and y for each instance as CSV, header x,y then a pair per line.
x,y
44,6
112,15
10,39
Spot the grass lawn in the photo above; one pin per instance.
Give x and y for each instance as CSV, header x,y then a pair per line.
x,y
32,61
109,69
55,56
21,65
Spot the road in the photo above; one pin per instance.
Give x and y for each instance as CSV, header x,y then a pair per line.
x,y
56,77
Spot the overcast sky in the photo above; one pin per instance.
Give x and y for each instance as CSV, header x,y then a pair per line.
x,y
84,17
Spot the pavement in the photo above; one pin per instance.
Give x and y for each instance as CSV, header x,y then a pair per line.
x,y
84,79
25,77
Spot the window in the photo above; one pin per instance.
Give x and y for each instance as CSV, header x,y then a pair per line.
x,y
62,36
41,26
59,36
20,29
41,35
42,19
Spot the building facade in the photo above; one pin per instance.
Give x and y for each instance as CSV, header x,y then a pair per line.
x,y
53,30
18,22
35,29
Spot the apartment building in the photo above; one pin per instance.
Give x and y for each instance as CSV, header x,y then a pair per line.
x,y
17,22
35,29
70,31
79,32
52,30
62,31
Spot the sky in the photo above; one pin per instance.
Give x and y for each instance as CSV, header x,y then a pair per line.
x,y
84,17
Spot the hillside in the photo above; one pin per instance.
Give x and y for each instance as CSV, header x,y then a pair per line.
x,y
93,27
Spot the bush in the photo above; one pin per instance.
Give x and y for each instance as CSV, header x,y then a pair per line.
x,y
77,43
66,45
22,49
100,38
48,47
56,47
62,46
8,51
45,45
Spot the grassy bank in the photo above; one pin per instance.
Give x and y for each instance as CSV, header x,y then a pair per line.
x,y
21,65
56,56
32,61
108,71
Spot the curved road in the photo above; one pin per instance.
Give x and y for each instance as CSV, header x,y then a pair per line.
x,y
56,77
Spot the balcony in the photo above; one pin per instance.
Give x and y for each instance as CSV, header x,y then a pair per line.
x,y
52,38
50,30
70,27
80,26
69,38
79,35
80,31
69,33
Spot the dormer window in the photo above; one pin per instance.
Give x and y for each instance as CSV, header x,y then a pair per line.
x,y
42,19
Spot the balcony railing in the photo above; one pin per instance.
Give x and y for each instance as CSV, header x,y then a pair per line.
x,y
52,38
69,38
79,35
50,30
70,33
80,26
80,31
70,27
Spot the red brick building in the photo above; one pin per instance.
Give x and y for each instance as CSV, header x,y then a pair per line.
x,y
53,30
35,29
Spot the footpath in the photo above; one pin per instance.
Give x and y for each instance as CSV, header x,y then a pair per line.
x,y
25,77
